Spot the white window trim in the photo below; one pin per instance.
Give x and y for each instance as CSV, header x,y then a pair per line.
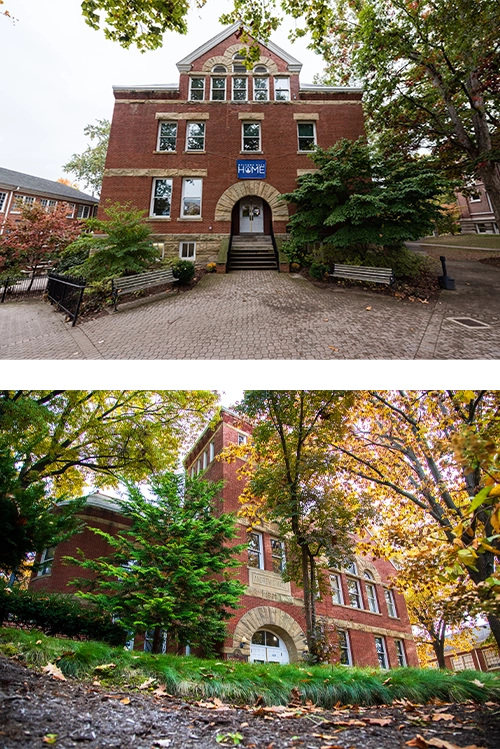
x,y
389,595
476,200
349,651
358,588
254,89
375,610
195,150
239,101
402,653
276,88
3,202
205,462
275,556
458,662
186,241
352,570
314,135
215,75
197,77
152,204
261,552
184,215
81,209
384,648
163,122
248,122
491,658
338,588
72,207
212,451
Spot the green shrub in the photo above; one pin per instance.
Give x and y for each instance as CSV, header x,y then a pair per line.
x,y
57,614
318,270
75,255
184,271
404,262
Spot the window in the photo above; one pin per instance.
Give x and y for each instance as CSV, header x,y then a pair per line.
x,y
400,652
239,89
336,585
162,197
149,637
491,657
381,652
205,459
212,451
199,464
475,197
251,136
462,662
219,69
218,92
242,439
260,70
191,197
20,201
167,136
71,210
391,606
278,555
197,89
261,89
352,568
268,639
195,136
192,473
83,211
344,647
354,594
239,67
371,597
48,204
255,555
3,195
307,136
46,561
282,88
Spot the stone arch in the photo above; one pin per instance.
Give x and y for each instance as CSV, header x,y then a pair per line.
x,y
275,620
365,564
239,190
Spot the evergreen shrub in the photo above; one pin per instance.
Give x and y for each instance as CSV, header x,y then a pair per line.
x,y
184,271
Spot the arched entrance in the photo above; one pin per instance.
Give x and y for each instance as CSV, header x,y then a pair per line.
x,y
273,620
251,216
267,647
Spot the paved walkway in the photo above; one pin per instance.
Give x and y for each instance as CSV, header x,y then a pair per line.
x,y
268,315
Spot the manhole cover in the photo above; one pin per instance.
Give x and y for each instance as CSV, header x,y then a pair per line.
x,y
468,322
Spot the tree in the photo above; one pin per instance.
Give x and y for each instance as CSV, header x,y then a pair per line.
x,y
68,182
39,236
288,469
359,200
399,448
27,519
430,74
89,165
172,569
71,437
124,249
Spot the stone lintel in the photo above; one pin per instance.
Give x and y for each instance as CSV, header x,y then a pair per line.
x,y
250,115
182,116
155,172
306,116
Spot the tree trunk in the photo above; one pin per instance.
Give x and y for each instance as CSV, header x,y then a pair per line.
x,y
438,647
490,175
157,638
494,622
307,594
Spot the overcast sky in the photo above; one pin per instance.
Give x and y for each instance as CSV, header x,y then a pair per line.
x,y
57,75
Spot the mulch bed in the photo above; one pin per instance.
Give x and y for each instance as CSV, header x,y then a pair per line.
x,y
425,290
491,261
38,710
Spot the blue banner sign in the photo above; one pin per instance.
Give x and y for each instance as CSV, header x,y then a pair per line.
x,y
251,169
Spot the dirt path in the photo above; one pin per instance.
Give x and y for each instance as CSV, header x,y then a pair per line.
x,y
37,710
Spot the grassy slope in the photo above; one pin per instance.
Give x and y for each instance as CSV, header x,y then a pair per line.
x,y
243,683
487,241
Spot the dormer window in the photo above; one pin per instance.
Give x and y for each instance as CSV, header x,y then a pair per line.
x,y
197,89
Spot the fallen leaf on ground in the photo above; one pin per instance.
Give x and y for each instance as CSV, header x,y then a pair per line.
x,y
54,671
105,667
147,683
368,308
161,691
50,738
442,716
422,743
125,701
379,721
333,348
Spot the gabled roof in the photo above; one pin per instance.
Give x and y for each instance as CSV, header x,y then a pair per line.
x,y
38,185
184,65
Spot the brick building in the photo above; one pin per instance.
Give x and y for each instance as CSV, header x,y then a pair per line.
x,y
371,619
17,189
476,212
208,157
482,656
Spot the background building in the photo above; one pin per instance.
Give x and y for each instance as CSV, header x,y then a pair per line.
x,y
371,619
17,189
208,157
476,213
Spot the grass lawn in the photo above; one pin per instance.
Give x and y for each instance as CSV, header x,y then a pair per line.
x,y
243,683
481,241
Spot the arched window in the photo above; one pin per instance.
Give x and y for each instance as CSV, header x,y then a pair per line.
x,y
368,575
239,67
219,69
260,70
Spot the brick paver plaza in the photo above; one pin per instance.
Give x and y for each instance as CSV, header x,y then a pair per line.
x,y
268,315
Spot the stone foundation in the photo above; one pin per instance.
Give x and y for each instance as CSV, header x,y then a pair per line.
x,y
207,245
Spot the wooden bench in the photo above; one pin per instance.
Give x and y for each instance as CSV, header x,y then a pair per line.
x,y
363,273
129,284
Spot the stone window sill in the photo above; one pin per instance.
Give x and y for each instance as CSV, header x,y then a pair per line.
x,y
193,151
164,152
250,153
190,218
158,218
305,153
355,608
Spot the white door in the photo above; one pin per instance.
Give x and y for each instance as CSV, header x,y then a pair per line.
x,y
251,215
266,647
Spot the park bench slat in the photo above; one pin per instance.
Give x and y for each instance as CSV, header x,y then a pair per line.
x,y
140,281
363,273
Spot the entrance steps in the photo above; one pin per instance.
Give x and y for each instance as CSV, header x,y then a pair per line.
x,y
252,252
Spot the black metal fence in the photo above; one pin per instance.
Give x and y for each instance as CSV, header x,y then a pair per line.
x,y
22,287
67,293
